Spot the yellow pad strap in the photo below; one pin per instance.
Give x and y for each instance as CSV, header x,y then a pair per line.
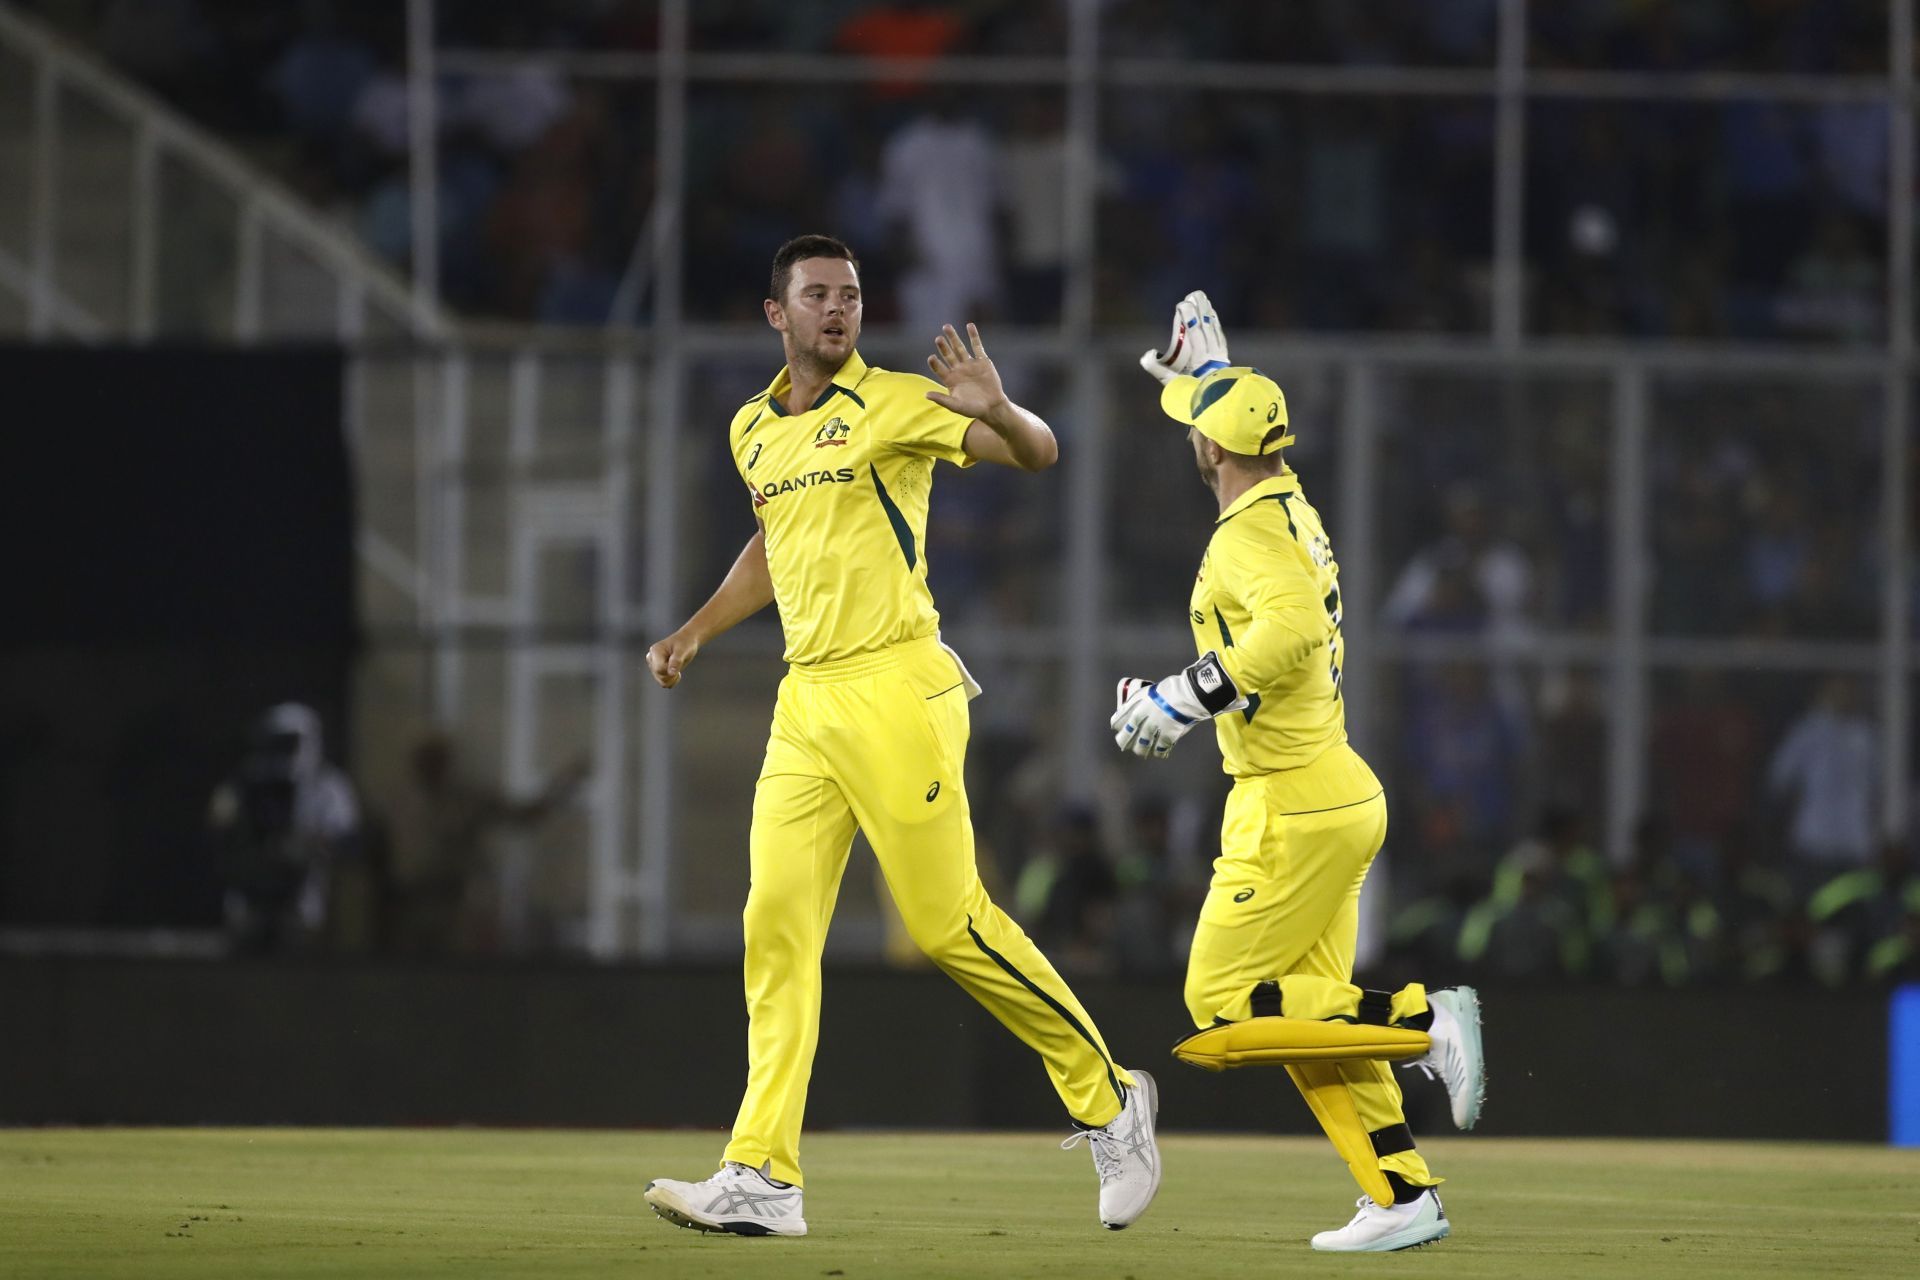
x,y
1259,1042
1326,1094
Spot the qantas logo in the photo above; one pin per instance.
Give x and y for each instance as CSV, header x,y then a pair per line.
x,y
805,480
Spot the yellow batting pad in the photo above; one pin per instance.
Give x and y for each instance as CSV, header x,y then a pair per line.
x,y
1260,1042
1332,1105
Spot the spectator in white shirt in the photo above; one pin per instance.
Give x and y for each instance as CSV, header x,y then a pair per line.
x,y
939,184
1825,767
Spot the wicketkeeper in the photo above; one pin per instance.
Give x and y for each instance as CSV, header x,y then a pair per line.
x,y
1269,979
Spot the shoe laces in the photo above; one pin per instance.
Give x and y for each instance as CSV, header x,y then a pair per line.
x,y
1439,1056
1366,1205
734,1171
1110,1144
1435,1062
1107,1150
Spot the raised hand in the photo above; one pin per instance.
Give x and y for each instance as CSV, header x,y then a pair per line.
x,y
1206,339
1198,345
973,384
1175,359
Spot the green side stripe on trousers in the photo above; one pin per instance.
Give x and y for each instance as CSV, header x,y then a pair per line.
x,y
1051,1003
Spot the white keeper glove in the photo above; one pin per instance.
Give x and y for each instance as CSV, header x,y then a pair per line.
x,y
1153,715
1198,345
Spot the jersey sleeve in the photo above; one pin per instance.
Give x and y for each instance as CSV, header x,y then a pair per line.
x,y
1276,589
914,424
738,450
743,418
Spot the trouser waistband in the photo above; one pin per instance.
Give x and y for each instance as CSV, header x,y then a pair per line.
x,y
862,664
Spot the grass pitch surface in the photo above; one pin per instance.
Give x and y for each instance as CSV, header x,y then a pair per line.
x,y
472,1203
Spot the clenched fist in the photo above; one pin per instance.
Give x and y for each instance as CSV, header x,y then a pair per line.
x,y
669,657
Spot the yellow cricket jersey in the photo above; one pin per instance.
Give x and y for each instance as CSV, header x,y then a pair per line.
x,y
1268,599
842,492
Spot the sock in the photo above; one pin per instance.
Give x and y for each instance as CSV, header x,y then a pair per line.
x,y
1404,1192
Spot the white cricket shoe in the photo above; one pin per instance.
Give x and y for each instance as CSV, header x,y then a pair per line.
x,y
1456,1056
1383,1229
744,1201
1126,1156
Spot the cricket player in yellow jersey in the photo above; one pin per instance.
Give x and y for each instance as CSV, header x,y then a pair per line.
x,y
1269,977
870,732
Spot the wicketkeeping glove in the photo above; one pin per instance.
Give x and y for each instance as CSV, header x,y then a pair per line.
x,y
1198,345
1153,715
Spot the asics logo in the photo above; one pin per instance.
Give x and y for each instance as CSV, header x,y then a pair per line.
x,y
761,1204
1243,896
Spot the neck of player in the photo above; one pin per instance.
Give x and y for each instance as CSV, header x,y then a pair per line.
x,y
808,377
1229,482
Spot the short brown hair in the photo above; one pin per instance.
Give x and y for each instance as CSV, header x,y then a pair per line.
x,y
799,249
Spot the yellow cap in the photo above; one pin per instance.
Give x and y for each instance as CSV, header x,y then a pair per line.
x,y
1238,408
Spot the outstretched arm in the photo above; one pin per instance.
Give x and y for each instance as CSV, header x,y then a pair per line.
x,y
745,591
1018,437
1001,431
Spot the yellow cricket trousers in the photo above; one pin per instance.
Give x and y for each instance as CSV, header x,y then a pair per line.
x,y
877,742
1284,907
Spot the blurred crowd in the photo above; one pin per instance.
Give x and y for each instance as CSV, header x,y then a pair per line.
x,y
1760,856
1556,910
1760,859
1323,212
304,863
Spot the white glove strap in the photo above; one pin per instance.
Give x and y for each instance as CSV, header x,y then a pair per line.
x,y
1200,692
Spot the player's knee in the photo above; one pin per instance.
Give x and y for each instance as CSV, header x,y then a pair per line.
x,y
771,923
937,934
942,926
1203,1000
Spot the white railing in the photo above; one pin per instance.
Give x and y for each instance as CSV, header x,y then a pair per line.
x,y
274,235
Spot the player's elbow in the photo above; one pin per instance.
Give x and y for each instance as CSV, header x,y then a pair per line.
x,y
1044,453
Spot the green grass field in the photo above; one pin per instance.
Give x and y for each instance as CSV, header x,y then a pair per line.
x,y
278,1203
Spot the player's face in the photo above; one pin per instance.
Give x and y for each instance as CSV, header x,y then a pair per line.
x,y
821,317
